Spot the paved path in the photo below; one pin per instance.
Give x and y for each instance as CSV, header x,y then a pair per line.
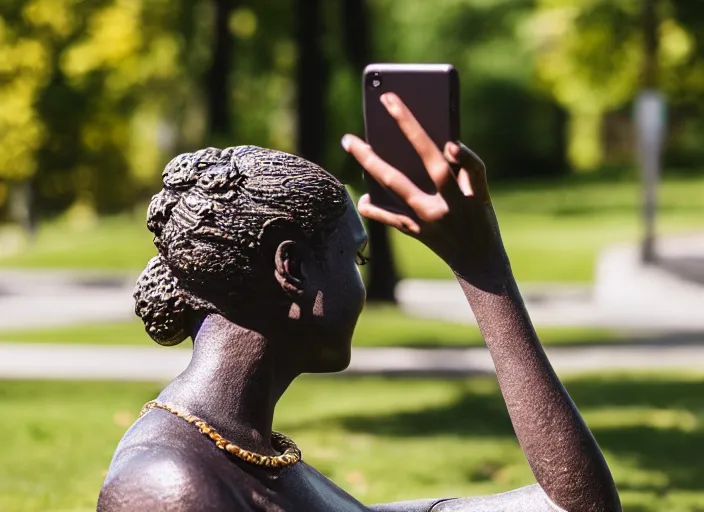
x,y
46,299
669,293
625,295
53,298
33,361
559,306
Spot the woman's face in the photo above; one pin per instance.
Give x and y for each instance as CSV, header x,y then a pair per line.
x,y
339,294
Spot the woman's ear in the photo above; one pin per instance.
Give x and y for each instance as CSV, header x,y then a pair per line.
x,y
288,267
285,240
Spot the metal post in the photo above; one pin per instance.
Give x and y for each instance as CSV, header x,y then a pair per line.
x,y
650,129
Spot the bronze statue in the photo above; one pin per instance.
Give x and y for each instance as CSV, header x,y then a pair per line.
x,y
257,263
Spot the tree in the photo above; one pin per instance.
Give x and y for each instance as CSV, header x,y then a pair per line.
x,y
218,94
382,277
590,57
25,58
97,80
312,80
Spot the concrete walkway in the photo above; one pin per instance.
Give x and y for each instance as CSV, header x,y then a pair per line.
x,y
667,298
45,298
85,362
625,295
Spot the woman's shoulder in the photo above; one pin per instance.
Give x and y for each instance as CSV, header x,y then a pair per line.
x,y
155,478
152,469
162,479
161,466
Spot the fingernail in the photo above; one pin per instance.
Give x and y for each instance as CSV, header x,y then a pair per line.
x,y
346,142
412,227
388,100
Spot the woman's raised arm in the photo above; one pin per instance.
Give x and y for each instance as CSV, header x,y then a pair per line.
x,y
459,225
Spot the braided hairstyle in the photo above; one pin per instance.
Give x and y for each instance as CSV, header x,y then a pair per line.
x,y
208,222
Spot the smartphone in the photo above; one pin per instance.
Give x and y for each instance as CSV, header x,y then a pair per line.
x,y
431,92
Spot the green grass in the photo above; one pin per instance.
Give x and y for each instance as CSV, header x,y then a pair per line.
x,y
379,439
378,326
552,230
555,231
121,242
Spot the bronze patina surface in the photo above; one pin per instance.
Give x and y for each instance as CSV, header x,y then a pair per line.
x,y
257,263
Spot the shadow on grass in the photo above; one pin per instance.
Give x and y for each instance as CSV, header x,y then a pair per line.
x,y
671,449
606,210
658,339
668,339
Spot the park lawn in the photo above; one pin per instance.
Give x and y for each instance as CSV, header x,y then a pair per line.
x,y
380,439
553,230
379,326
119,242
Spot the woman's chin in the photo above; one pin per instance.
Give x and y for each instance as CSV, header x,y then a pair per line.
x,y
332,362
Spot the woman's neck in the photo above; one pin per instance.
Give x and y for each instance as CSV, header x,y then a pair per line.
x,y
232,382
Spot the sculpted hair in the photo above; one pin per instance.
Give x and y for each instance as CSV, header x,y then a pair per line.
x,y
208,223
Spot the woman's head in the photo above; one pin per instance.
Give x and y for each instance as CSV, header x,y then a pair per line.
x,y
260,237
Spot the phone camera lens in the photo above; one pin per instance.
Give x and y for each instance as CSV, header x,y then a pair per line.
x,y
374,80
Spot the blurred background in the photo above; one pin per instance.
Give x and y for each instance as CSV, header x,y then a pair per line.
x,y
589,115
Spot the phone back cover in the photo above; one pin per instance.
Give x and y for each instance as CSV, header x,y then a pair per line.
x,y
431,93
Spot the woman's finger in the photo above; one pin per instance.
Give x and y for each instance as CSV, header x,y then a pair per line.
x,y
472,174
398,221
385,174
428,151
470,161
452,153
464,182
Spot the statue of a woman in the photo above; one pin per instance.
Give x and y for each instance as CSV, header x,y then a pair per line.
x,y
257,263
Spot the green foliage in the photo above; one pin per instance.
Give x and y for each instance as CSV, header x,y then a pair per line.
x,y
517,131
589,56
23,71
89,86
263,81
590,59
98,95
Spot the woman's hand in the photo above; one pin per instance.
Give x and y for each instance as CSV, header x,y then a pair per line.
x,y
457,222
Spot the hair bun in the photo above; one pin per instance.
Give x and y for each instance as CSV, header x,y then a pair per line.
x,y
160,304
159,213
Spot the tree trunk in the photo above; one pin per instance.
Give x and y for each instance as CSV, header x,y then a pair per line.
x,y
382,277
219,126
312,80
22,207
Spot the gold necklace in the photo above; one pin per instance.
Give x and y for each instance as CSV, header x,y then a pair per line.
x,y
291,454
